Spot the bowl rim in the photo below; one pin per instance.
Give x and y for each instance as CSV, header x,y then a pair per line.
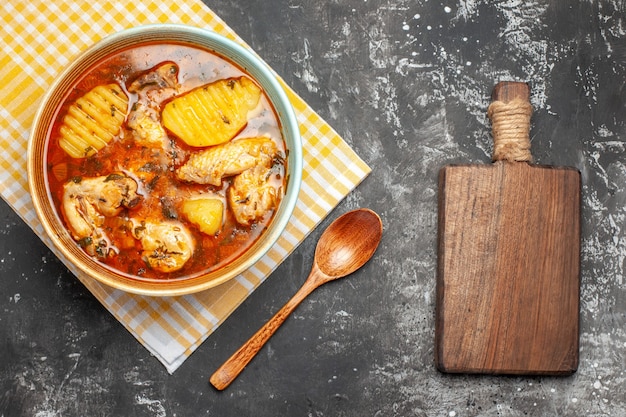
x,y
206,39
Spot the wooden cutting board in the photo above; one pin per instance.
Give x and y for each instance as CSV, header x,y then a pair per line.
x,y
508,256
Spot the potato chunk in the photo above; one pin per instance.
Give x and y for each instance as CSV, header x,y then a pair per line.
x,y
212,114
206,213
93,121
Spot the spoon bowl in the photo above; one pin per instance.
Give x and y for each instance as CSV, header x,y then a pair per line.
x,y
345,246
348,243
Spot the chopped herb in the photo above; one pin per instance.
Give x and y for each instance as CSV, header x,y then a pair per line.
x,y
152,183
167,208
149,167
133,203
114,177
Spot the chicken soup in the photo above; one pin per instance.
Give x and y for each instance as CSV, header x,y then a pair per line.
x,y
166,161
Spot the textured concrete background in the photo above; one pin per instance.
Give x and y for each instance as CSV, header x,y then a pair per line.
x,y
407,84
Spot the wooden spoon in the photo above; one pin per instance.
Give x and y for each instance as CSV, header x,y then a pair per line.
x,y
347,244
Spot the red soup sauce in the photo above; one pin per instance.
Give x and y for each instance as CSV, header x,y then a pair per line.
x,y
161,192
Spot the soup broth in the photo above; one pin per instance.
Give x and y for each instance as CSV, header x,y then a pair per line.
x,y
153,234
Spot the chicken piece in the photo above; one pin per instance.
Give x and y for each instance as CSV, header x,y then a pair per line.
x,y
252,195
152,88
232,158
86,203
166,246
164,75
145,124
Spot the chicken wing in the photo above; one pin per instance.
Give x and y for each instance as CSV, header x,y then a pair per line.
x,y
232,158
152,88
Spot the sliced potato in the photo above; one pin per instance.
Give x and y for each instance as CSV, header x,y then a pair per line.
x,y
212,114
93,120
206,213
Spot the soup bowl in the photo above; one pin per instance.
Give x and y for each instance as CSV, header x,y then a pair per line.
x,y
52,216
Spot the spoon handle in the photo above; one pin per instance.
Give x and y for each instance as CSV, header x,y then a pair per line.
x,y
227,373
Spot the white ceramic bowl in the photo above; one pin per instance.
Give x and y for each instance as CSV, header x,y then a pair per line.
x,y
44,119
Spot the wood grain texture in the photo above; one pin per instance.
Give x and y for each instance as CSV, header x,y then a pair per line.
x,y
508,269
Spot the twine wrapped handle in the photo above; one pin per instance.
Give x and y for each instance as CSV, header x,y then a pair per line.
x,y
510,113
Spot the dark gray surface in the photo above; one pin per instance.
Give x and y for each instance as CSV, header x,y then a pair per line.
x,y
407,84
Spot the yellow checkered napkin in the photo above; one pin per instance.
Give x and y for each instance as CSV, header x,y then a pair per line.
x,y
39,38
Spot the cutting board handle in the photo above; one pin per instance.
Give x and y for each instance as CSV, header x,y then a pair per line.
x,y
510,113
